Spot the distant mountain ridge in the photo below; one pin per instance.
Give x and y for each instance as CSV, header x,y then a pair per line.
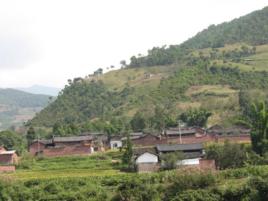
x,y
17,106
39,89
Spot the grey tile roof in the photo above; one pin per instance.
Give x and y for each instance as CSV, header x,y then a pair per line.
x,y
43,141
140,151
183,132
178,147
192,155
73,139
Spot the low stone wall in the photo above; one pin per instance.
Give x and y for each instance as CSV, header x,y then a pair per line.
x,y
7,168
147,167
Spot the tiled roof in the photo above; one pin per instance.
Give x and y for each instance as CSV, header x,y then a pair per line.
x,y
140,151
43,141
73,139
183,132
178,147
8,152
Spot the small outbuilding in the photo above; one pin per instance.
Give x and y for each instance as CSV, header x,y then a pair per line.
x,y
8,157
115,142
146,160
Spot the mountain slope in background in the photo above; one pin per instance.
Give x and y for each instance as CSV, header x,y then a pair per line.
x,y
209,71
251,29
38,89
17,106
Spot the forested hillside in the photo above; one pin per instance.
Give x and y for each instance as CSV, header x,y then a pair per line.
x,y
17,106
214,71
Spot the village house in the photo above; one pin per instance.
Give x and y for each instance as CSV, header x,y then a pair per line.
x,y
138,140
61,146
148,159
191,152
148,140
116,142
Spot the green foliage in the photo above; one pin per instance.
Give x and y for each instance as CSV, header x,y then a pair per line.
x,y
170,160
91,99
137,190
127,157
197,195
31,135
196,117
138,122
12,140
228,155
259,128
249,29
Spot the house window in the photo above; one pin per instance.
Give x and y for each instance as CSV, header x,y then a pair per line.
x,y
115,145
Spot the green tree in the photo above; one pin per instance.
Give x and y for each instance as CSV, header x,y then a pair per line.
x,y
127,157
138,122
12,140
170,160
31,135
229,155
196,117
259,128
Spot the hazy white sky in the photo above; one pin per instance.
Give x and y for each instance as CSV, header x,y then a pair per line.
x,y
47,42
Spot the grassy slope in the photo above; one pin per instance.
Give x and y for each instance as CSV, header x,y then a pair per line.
x,y
220,100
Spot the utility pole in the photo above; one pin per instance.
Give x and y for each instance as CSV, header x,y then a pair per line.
x,y
38,149
179,122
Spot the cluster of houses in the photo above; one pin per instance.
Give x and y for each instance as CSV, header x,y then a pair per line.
x,y
148,147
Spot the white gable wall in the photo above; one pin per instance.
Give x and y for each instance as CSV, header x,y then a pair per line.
x,y
147,158
115,144
194,161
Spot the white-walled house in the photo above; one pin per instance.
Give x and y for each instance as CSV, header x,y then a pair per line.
x,y
147,158
147,162
116,143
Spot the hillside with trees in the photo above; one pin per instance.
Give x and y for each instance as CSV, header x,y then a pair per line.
x,y
153,91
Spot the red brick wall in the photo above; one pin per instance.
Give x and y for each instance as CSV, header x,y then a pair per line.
x,y
61,149
67,150
149,140
148,167
7,168
211,138
33,148
8,158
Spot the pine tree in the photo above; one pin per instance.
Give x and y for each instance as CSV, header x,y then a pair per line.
x,y
31,135
128,154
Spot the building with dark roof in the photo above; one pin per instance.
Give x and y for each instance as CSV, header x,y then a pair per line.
x,y
69,145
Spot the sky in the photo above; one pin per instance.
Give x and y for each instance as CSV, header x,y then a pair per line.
x,y
49,42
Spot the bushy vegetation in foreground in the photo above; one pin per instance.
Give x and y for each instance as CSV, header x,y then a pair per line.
x,y
250,183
